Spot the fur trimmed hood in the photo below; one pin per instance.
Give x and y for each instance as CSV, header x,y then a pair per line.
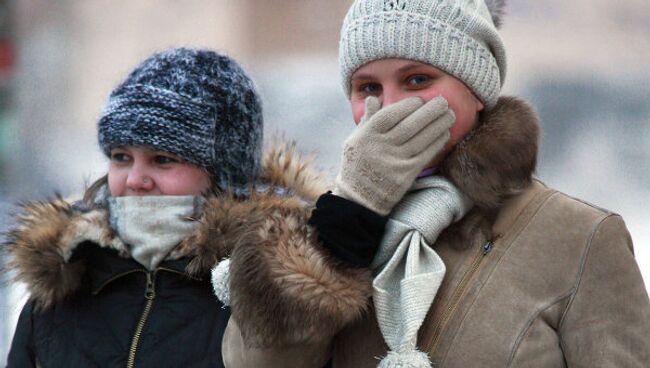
x,y
495,161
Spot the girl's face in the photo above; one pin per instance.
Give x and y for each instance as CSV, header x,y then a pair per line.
x,y
139,171
392,80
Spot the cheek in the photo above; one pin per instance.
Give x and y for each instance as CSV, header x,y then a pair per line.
x,y
466,119
431,93
464,105
116,182
460,129
183,181
358,109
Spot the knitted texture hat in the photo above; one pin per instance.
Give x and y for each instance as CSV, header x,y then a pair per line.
x,y
196,104
457,36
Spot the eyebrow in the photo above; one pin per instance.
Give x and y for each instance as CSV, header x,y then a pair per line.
x,y
361,76
403,69
409,66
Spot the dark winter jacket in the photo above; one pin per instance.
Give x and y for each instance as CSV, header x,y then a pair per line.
x,y
91,305
124,316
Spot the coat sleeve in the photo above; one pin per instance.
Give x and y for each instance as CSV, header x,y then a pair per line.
x,y
288,296
21,353
236,353
607,322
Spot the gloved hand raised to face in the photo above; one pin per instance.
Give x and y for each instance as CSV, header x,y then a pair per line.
x,y
389,148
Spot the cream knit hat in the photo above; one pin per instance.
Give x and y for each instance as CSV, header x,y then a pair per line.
x,y
457,36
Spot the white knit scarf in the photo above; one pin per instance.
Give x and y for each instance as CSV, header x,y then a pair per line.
x,y
152,226
408,271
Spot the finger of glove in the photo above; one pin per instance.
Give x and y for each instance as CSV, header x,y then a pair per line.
x,y
421,118
386,118
413,166
421,141
424,157
372,105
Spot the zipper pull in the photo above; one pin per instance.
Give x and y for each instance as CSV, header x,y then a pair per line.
x,y
487,247
150,290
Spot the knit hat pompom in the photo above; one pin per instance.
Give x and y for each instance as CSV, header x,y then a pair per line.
x,y
195,103
221,281
457,36
496,8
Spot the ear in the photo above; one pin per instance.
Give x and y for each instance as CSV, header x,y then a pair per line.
x,y
497,10
479,105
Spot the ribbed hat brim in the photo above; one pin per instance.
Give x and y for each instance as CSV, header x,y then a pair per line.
x,y
426,39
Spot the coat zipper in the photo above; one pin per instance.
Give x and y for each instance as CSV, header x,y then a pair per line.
x,y
97,290
454,301
149,295
184,274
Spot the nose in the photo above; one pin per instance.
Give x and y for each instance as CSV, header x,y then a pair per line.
x,y
138,180
391,94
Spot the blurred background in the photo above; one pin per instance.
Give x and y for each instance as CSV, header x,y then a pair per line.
x,y
583,63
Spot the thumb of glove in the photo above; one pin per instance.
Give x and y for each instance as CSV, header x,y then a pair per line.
x,y
372,105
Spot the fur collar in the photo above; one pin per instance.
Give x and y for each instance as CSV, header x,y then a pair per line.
x,y
48,232
495,161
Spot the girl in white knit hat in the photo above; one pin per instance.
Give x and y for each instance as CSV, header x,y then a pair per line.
x,y
437,247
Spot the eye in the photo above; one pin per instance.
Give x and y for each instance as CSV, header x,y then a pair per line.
x,y
118,156
418,80
164,159
370,88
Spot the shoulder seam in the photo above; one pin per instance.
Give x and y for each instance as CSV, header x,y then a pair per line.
x,y
604,211
583,261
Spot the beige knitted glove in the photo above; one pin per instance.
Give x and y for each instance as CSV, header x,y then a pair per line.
x,y
389,148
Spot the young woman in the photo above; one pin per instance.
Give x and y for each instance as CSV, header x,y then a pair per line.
x,y
122,277
468,259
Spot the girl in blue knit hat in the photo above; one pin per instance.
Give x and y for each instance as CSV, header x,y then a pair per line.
x,y
437,247
122,277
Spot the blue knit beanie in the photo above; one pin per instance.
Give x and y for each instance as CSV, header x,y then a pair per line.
x,y
196,104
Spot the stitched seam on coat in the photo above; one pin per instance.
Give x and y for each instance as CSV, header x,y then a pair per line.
x,y
545,196
603,210
521,230
532,320
583,261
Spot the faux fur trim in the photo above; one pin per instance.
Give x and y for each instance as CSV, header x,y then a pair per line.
x,y
498,158
285,289
47,232
226,219
225,224
285,167
41,245
276,261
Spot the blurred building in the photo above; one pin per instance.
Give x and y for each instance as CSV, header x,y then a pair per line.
x,y
583,63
